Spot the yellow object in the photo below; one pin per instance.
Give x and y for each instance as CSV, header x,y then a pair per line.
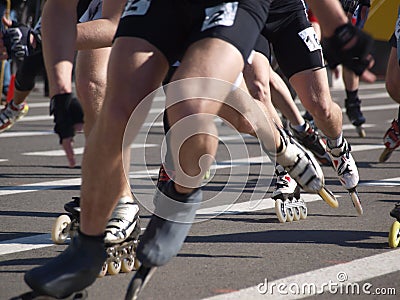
x,y
382,18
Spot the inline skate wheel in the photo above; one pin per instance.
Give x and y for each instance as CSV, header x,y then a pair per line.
x,y
385,155
361,131
303,211
114,267
280,210
290,214
328,197
103,270
138,282
296,213
394,235
60,230
128,264
356,201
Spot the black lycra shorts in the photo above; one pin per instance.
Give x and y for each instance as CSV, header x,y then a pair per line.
x,y
294,41
173,25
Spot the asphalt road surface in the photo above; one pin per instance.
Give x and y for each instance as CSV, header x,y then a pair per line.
x,y
237,249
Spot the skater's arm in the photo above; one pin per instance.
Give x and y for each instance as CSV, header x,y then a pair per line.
x,y
100,33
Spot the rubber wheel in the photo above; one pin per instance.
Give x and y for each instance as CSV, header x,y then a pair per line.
x,y
385,155
296,213
128,264
357,203
114,267
280,210
60,230
394,235
290,214
303,211
361,132
328,197
103,270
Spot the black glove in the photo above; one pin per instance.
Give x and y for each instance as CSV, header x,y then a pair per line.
x,y
355,57
17,41
67,112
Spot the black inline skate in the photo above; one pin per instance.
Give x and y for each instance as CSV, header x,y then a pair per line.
x,y
353,111
311,139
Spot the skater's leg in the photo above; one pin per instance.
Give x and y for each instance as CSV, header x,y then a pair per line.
x,y
313,90
122,97
393,76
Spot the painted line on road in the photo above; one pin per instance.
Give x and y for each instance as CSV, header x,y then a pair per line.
x,y
44,240
57,184
78,150
25,244
26,133
350,273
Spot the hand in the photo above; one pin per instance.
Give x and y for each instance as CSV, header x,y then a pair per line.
x,y
68,118
17,42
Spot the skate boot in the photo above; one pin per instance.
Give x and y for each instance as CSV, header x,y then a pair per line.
x,y
346,168
303,167
73,270
391,140
355,115
121,238
313,142
394,233
168,228
11,114
288,204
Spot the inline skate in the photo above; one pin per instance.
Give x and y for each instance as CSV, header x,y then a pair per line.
x,y
303,167
311,139
391,141
288,204
121,234
346,168
355,115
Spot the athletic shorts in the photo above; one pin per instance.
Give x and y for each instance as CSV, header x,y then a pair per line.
x,y
27,71
295,43
393,41
173,25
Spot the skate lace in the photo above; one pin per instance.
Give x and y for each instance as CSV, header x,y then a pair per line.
x,y
342,165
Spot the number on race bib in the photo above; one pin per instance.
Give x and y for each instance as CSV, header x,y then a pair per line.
x,y
309,37
220,15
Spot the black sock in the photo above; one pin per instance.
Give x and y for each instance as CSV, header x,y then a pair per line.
x,y
352,95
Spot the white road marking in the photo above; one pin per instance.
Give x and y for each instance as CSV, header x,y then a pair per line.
x,y
78,150
25,133
44,240
25,244
355,271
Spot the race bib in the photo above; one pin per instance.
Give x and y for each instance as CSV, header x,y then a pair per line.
x,y
220,15
136,8
309,37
